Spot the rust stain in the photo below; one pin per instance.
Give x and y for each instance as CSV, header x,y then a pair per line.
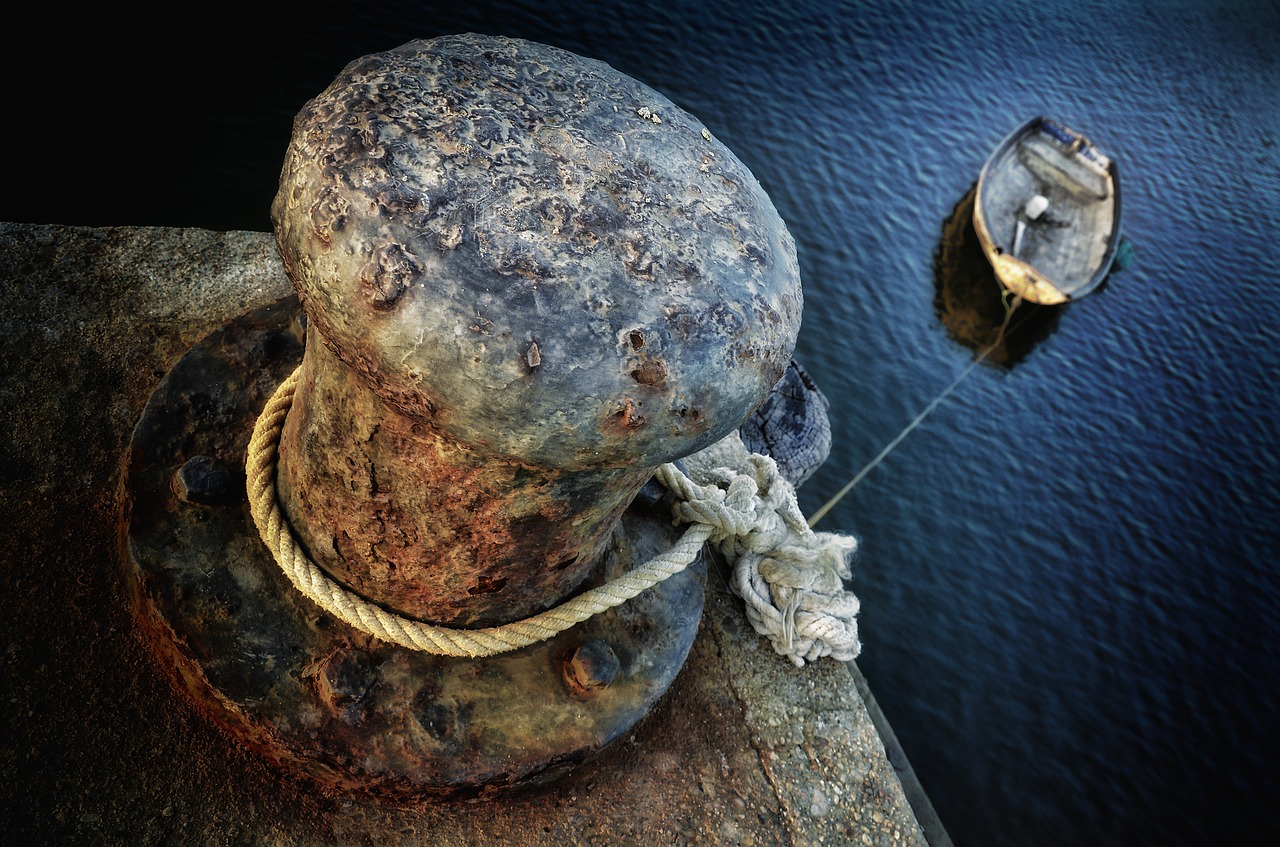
x,y
651,372
487,585
626,418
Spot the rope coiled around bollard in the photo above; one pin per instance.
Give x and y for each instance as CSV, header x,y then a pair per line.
x,y
790,577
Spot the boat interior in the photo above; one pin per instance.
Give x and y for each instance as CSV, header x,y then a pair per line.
x,y
1069,240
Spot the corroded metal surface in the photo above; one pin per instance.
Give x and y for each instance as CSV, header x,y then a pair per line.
x,y
494,230
314,695
529,280
430,527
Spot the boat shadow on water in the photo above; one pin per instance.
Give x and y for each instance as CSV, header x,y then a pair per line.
x,y
971,302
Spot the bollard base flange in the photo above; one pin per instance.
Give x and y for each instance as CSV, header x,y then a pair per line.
x,y
319,697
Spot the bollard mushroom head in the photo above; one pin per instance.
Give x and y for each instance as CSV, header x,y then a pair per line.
x,y
536,254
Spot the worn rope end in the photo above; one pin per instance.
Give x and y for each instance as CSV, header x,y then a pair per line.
x,y
790,577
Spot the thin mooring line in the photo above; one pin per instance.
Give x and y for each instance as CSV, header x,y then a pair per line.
x,y
933,404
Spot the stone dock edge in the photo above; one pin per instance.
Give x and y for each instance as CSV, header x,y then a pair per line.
x,y
101,747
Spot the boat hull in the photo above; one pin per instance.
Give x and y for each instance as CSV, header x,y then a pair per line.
x,y
1047,213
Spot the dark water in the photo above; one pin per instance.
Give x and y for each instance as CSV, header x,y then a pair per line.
x,y
1071,605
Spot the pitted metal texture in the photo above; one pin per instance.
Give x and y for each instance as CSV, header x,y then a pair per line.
x,y
535,254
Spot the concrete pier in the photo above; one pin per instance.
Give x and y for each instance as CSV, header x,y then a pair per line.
x,y
100,747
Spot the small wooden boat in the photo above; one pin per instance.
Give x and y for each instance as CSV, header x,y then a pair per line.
x,y
1047,213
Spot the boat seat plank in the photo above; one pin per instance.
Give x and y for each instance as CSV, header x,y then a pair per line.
x,y
1074,174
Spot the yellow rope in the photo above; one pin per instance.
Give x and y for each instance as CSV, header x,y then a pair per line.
x,y
307,577
789,575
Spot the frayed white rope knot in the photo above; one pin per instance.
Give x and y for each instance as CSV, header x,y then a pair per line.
x,y
790,577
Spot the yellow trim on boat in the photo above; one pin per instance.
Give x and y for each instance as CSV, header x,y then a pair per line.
x,y
1024,280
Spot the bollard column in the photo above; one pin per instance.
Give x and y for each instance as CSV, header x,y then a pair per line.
x,y
526,289
524,281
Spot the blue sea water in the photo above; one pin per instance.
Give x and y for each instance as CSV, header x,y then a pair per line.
x,y
1068,571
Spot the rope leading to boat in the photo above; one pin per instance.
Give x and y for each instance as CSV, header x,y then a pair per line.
x,y
1009,306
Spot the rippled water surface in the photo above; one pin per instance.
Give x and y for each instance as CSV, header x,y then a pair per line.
x,y
1071,607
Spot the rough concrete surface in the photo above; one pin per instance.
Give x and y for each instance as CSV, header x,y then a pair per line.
x,y
97,746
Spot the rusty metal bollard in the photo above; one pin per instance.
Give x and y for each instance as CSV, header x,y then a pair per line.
x,y
527,280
